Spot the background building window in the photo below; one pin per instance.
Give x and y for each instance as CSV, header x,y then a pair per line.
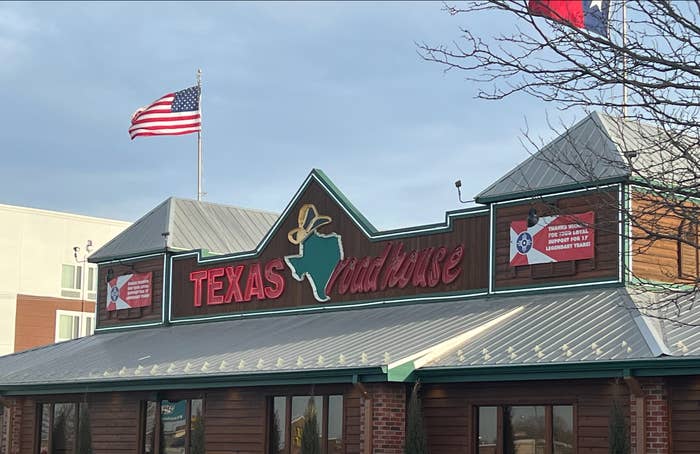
x,y
173,427
72,282
64,429
291,424
71,278
72,325
533,429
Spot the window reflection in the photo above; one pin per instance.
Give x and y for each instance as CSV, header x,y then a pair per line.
x,y
149,437
314,424
173,426
563,422
307,414
335,425
488,426
278,442
65,429
196,427
525,429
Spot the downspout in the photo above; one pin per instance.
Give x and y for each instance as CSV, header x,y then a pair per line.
x,y
640,409
367,399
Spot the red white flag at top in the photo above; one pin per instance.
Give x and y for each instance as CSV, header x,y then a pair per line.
x,y
173,114
591,15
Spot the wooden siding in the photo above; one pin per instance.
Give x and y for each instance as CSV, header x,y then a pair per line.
x,y
235,418
115,422
685,414
471,232
603,266
448,410
35,323
654,258
150,313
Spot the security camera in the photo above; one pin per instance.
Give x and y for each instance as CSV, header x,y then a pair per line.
x,y
458,184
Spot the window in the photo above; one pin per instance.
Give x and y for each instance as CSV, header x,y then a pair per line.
x,y
688,251
92,283
72,325
64,428
72,280
180,425
296,421
533,429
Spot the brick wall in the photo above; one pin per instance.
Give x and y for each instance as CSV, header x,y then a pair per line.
x,y
388,418
15,416
3,428
656,416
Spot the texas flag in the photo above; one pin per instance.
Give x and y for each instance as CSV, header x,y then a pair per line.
x,y
591,15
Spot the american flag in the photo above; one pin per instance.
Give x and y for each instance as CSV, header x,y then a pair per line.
x,y
173,114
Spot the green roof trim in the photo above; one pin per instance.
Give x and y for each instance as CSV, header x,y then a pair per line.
x,y
553,191
658,367
302,377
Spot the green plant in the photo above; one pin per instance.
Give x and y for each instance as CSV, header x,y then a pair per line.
x,y
618,439
415,432
310,437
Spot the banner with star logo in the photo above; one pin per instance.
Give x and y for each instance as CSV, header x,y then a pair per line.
x,y
553,239
129,290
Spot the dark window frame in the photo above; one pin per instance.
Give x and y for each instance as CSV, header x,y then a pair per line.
x,y
287,430
549,422
78,406
688,231
157,426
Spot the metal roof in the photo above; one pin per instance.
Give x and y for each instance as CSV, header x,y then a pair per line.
x,y
591,151
572,327
675,319
327,340
219,229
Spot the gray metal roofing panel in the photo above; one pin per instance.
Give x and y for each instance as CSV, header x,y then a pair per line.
x,y
144,235
599,326
218,228
590,325
675,318
191,225
583,153
364,337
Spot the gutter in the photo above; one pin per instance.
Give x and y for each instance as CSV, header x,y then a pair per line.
x,y
657,367
299,377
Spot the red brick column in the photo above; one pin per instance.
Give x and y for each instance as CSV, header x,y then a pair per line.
x,y
655,405
15,425
388,418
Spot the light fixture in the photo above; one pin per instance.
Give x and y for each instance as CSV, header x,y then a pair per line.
x,y
110,275
532,217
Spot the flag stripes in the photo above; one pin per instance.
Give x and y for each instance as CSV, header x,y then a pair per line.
x,y
172,114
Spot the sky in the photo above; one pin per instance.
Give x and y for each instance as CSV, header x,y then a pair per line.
x,y
287,87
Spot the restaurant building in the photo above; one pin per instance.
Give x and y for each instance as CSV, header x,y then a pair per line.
x,y
226,330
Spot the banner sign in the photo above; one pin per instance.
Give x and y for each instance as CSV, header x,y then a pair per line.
x,y
553,239
129,290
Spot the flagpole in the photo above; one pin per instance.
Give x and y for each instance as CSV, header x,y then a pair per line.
x,y
199,140
624,59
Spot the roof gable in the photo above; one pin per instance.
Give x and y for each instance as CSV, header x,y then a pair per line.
x,y
182,224
585,153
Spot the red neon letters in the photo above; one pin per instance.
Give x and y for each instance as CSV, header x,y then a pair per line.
x,y
215,279
393,268
396,268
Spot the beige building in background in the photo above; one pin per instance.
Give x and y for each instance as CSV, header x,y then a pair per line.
x,y
47,289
